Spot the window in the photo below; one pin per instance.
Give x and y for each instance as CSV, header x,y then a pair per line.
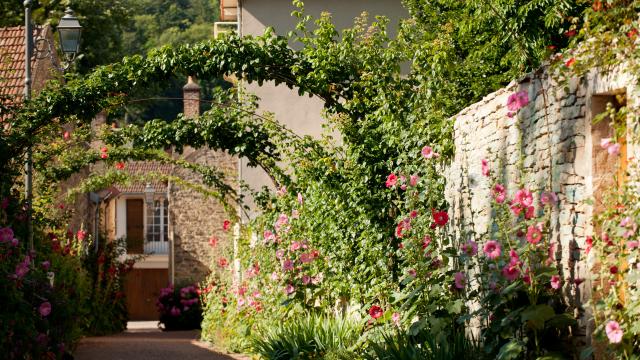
x,y
157,234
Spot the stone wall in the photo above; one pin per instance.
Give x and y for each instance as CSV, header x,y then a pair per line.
x,y
193,217
552,139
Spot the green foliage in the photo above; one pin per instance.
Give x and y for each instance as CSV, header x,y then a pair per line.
x,y
307,337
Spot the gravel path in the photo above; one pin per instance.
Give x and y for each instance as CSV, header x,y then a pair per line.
x,y
144,342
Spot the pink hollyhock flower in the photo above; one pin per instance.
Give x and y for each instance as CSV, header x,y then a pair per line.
x,y
529,212
470,248
279,253
241,302
22,268
392,180
306,279
45,309
485,167
460,280
440,217
510,272
226,225
396,318
213,241
555,282
315,280
287,265
499,193
632,244
256,294
413,180
275,276
492,249
315,253
518,100
375,312
282,221
295,214
413,214
526,278
306,258
614,149
589,244
120,165
626,222
295,246
514,259
300,199
66,135
222,262
289,289
412,272
534,235
269,236
428,153
606,142
281,191
614,332
570,62
524,197
81,235
45,265
426,241
548,198
6,234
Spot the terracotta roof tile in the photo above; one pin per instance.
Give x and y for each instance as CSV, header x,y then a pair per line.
x,y
12,61
143,167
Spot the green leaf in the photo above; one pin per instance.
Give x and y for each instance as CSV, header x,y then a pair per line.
x,y
536,315
510,350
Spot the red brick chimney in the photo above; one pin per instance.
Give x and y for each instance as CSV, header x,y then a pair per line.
x,y
191,98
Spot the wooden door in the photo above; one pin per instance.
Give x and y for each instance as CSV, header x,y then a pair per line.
x,y
135,226
142,288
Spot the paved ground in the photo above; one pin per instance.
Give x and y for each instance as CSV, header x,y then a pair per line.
x,y
143,341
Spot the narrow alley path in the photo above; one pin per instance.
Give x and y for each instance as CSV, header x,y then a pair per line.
x,y
143,341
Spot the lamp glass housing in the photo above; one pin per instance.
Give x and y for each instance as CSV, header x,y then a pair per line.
x,y
70,31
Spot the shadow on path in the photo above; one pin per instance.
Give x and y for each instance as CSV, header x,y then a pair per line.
x,y
147,344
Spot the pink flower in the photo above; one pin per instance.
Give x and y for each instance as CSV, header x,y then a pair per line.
x,y
514,259
524,197
241,302
295,214
282,221
470,248
281,191
375,311
226,225
275,276
517,101
287,265
529,212
213,241
485,167
534,235
22,268
6,234
428,153
413,180
396,318
269,236
492,249
548,198
45,265
626,222
499,193
614,332
279,253
300,199
413,214
555,282
606,142
45,309
392,180
81,235
222,262
460,280
440,217
289,289
66,135
306,279
104,155
120,165
295,246
426,241
632,244
175,311
510,272
412,272
614,149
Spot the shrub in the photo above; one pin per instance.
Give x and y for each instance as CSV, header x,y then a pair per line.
x,y
309,337
179,308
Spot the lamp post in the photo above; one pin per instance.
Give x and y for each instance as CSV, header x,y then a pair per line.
x,y
70,31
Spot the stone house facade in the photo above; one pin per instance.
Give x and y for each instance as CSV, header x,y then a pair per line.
x,y
551,144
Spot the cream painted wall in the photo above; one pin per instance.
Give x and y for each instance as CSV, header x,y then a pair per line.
x,y
301,113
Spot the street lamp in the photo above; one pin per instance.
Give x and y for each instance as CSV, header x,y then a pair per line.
x,y
70,31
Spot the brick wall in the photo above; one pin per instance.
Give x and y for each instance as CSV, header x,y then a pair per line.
x,y
194,218
554,141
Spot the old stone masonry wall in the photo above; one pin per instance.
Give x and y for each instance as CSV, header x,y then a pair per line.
x,y
549,144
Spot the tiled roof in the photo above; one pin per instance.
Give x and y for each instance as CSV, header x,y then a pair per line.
x,y
12,61
143,167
